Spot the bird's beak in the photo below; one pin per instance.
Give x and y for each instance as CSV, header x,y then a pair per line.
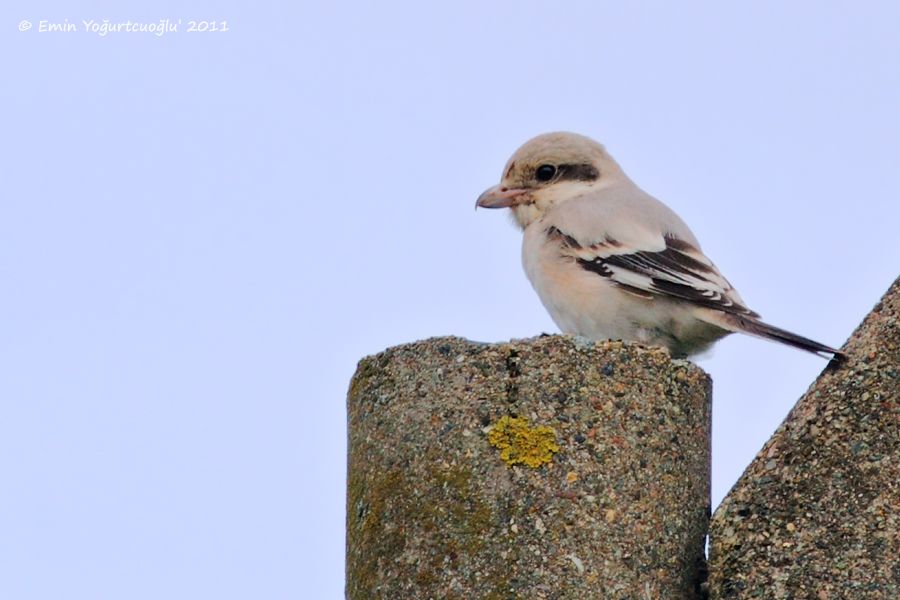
x,y
501,197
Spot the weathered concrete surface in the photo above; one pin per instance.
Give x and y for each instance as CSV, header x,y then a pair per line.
x,y
442,502
816,513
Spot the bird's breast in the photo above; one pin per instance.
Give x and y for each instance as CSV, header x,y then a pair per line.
x,y
579,302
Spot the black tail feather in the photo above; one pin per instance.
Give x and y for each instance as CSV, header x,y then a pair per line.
x,y
770,332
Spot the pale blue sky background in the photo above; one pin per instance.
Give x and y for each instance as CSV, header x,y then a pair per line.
x,y
200,235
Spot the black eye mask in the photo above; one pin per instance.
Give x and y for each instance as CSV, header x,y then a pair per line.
x,y
581,172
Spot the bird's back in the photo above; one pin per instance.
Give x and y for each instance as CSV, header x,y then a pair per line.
x,y
611,210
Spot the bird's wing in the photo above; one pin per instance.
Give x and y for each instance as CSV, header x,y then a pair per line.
x,y
662,265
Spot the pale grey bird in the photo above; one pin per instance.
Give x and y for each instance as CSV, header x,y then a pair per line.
x,y
609,261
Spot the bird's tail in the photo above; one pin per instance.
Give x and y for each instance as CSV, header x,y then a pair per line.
x,y
740,323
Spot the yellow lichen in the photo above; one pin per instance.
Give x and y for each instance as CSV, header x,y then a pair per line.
x,y
521,444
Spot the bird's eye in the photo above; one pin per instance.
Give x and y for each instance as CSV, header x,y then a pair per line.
x,y
545,172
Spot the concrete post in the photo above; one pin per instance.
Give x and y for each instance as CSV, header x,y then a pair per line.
x,y
543,468
817,513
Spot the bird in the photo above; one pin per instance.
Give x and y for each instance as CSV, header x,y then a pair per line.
x,y
610,261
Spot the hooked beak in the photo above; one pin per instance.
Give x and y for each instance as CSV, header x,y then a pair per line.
x,y
502,197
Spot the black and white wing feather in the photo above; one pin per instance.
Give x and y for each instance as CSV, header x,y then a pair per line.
x,y
678,270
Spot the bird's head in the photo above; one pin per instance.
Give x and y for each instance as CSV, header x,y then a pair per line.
x,y
548,170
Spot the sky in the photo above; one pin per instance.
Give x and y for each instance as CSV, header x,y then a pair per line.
x,y
202,232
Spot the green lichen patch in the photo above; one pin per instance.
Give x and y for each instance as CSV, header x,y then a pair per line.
x,y
519,443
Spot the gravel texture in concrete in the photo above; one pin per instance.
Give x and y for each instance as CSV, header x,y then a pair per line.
x,y
816,513
543,468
